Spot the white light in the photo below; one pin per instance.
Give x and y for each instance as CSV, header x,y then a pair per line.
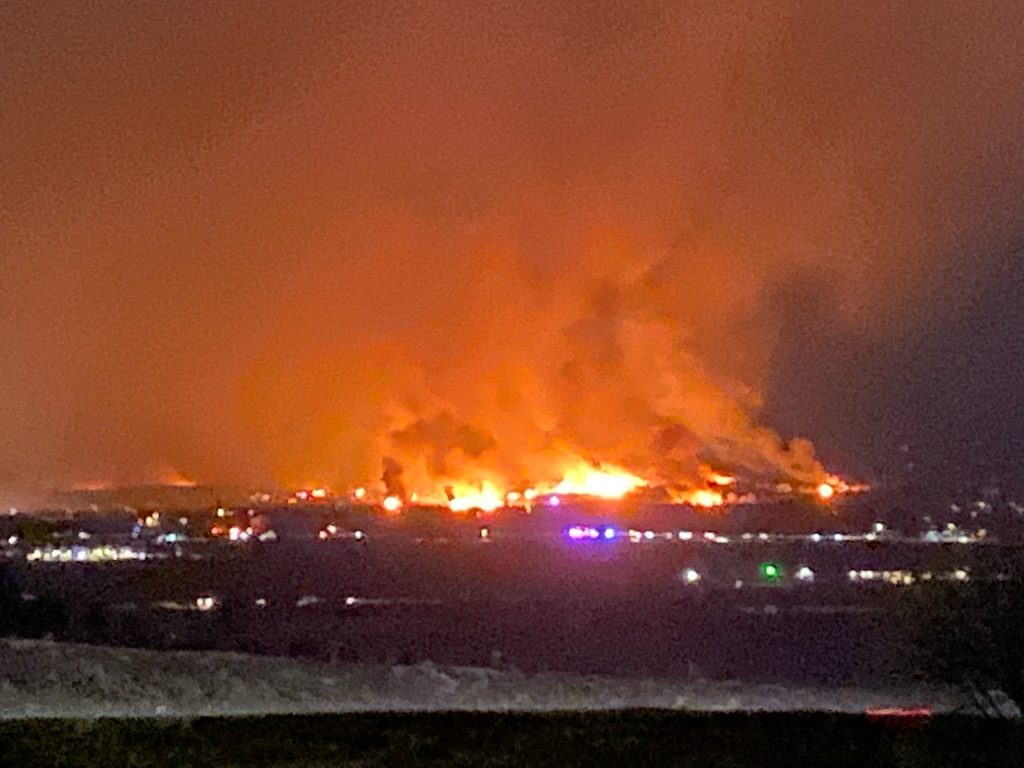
x,y
815,537
554,501
852,575
762,536
261,602
648,535
332,528
803,573
685,535
690,576
350,600
358,535
837,537
205,603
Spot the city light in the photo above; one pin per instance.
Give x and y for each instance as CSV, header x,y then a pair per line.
x,y
804,574
771,571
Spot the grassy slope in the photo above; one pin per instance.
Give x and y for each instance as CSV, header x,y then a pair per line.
x,y
636,738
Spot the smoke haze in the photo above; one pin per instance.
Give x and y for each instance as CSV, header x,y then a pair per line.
x,y
478,240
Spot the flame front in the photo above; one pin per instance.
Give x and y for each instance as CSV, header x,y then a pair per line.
x,y
486,497
604,482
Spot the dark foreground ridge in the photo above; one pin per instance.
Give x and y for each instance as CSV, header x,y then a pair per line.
x,y
631,737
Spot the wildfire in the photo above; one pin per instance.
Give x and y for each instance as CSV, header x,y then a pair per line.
x,y
485,497
718,478
171,476
606,482
717,490
705,498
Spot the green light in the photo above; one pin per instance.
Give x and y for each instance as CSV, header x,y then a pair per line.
x,y
771,571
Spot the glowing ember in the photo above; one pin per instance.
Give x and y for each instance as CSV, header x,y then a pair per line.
x,y
392,504
318,493
606,482
486,498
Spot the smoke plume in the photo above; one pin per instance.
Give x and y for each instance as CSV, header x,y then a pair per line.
x,y
481,242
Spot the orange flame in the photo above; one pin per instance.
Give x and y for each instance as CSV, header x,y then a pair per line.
x,y
485,497
705,498
605,482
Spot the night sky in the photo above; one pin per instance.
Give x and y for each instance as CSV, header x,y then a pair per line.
x,y
277,243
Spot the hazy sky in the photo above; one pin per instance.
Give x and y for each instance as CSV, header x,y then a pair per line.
x,y
276,242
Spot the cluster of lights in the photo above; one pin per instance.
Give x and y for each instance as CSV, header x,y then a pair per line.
x,y
906,577
952,533
331,531
310,494
582,532
80,554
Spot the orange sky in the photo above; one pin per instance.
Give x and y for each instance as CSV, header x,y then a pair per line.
x,y
253,244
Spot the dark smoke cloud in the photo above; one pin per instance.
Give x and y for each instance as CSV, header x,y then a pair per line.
x,y
258,244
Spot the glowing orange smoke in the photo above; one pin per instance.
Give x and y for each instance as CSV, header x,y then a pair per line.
x,y
171,476
92,485
606,482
